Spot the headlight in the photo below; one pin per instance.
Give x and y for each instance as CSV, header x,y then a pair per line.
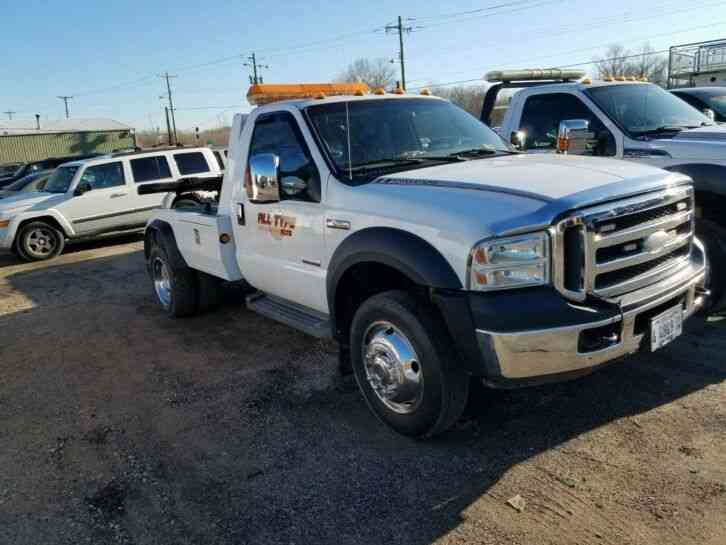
x,y
515,262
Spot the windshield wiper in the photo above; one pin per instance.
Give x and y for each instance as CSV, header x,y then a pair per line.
x,y
479,152
661,130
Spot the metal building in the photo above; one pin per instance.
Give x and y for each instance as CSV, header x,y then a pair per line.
x,y
18,142
697,65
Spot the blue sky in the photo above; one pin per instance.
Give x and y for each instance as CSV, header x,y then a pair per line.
x,y
107,54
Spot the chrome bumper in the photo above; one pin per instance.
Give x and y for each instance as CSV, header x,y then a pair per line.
x,y
533,354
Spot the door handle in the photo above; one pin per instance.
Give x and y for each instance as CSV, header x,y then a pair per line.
x,y
117,195
240,213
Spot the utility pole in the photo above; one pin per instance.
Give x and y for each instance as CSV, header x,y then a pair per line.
x,y
37,121
65,100
166,76
255,78
10,113
400,29
168,126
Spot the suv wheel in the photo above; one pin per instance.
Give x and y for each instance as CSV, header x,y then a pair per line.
x,y
401,356
176,289
38,241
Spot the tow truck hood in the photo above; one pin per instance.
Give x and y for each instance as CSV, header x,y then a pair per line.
x,y
505,195
703,143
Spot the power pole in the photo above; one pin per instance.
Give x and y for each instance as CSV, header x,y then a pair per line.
x,y
10,113
400,29
255,66
65,100
168,126
166,76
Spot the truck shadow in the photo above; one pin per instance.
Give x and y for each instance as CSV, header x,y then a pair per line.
x,y
244,422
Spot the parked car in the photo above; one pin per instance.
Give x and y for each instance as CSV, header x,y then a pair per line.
x,y
8,169
92,197
36,166
623,119
431,251
705,98
27,184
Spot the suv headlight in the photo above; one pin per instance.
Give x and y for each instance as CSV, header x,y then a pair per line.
x,y
512,262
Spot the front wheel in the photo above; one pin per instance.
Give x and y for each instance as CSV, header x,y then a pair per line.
x,y
402,360
38,241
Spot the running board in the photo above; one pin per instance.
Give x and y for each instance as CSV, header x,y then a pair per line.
x,y
302,318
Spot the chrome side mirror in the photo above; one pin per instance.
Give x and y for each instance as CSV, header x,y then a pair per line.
x,y
263,178
574,137
709,113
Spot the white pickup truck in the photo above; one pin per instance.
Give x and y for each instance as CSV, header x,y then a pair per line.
x,y
431,251
627,119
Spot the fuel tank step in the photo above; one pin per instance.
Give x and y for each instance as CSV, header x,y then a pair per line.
x,y
302,318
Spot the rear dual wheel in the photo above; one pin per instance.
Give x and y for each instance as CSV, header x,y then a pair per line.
x,y
180,290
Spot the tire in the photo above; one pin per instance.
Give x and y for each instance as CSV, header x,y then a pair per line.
x,y
431,391
176,289
39,241
713,237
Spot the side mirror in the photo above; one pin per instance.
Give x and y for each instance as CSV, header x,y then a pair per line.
x,y
518,139
81,188
262,180
574,137
709,113
292,185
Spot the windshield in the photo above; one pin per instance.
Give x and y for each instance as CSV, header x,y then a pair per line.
x,y
400,134
60,180
643,109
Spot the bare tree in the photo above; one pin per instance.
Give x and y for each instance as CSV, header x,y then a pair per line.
x,y
613,63
470,98
619,61
375,72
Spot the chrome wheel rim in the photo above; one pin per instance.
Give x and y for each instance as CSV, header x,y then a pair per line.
x,y
41,242
392,367
162,281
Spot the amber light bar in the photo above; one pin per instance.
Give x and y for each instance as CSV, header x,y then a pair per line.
x,y
264,93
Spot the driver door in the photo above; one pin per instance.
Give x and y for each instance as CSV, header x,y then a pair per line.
x,y
105,206
281,244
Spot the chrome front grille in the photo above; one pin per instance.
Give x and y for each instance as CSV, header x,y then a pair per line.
x,y
623,246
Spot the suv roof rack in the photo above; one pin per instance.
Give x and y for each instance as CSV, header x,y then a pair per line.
x,y
138,151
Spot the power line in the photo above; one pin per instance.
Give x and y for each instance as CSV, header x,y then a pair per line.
x,y
583,63
65,99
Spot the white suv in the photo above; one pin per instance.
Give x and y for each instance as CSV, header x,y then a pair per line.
x,y
85,199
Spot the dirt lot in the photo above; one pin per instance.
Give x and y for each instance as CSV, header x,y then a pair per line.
x,y
118,425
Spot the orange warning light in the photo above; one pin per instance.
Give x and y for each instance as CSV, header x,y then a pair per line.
x,y
265,93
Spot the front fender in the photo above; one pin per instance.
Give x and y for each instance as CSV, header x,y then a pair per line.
x,y
401,250
24,217
706,177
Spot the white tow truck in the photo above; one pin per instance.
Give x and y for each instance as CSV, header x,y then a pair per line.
x,y
623,118
433,252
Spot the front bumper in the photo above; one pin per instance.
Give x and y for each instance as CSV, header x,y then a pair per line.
x,y
612,332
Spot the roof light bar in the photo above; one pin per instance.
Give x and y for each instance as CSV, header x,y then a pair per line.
x,y
265,93
505,76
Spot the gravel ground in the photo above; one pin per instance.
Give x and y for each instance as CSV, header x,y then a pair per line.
x,y
119,425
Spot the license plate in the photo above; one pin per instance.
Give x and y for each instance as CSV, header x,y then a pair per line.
x,y
665,327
